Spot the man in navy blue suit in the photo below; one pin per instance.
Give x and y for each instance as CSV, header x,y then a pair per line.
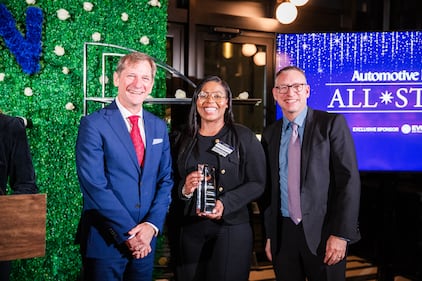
x,y
125,200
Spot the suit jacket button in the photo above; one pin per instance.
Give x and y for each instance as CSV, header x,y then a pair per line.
x,y
223,171
220,189
137,206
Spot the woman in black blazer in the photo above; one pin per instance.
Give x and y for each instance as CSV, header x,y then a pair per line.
x,y
216,245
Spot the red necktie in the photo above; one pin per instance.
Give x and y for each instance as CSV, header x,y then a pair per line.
x,y
135,135
293,175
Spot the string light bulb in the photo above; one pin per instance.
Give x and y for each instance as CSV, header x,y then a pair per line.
x,y
286,12
299,3
248,50
227,50
260,58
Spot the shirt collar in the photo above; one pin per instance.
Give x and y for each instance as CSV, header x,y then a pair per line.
x,y
126,113
299,120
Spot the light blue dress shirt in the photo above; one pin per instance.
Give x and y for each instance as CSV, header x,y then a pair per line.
x,y
284,143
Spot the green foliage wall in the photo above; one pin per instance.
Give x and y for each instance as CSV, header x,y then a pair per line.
x,y
53,100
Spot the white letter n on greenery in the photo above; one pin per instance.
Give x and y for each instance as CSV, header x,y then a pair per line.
x,y
27,51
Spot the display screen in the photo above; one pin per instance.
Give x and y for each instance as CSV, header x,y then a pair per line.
x,y
375,80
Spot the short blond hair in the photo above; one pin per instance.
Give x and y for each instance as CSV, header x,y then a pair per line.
x,y
134,58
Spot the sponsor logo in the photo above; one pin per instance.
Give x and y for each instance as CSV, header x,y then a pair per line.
x,y
411,129
404,129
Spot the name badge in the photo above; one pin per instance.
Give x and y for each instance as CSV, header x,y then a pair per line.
x,y
222,149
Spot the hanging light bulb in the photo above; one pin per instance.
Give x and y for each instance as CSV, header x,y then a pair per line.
x,y
248,50
286,13
259,58
299,3
227,50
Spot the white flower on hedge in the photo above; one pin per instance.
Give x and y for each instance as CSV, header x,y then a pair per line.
x,y
144,40
154,3
62,14
2,75
103,80
59,50
124,17
96,36
88,6
69,106
180,94
65,70
28,92
30,2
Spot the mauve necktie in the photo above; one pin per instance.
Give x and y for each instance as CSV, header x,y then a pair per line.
x,y
293,175
135,135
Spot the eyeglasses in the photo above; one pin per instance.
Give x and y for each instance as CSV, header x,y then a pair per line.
x,y
216,96
283,89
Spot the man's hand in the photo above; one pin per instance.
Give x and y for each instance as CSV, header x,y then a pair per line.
x,y
335,250
268,250
140,244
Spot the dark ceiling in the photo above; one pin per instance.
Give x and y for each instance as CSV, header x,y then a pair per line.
x,y
388,14
317,15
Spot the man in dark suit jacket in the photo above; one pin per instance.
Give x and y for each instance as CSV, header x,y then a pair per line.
x,y
16,167
125,199
315,246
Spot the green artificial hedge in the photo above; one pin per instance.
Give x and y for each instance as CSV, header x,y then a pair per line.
x,y
49,92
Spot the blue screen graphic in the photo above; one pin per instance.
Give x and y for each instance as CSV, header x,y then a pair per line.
x,y
375,80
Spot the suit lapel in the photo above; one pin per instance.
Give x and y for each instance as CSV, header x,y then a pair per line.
x,y
150,135
307,142
115,119
275,145
274,153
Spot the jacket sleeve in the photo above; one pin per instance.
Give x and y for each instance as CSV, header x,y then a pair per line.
x,y
22,174
345,196
253,167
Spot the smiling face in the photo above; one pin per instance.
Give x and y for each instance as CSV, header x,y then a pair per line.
x,y
134,83
212,103
293,101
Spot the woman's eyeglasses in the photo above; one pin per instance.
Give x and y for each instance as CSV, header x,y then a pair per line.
x,y
216,96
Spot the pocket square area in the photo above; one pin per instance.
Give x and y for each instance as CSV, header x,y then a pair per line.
x,y
157,141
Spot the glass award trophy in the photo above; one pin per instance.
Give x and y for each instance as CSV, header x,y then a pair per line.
x,y
206,198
